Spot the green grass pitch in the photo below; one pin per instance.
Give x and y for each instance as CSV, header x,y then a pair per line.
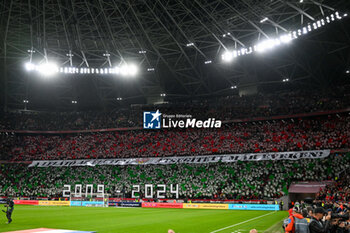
x,y
141,220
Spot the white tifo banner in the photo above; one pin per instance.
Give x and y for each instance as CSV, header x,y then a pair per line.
x,y
225,158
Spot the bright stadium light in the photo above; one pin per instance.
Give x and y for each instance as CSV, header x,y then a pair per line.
x,y
309,28
266,45
305,30
207,62
48,69
29,66
227,56
286,38
234,87
264,20
128,70
124,70
132,69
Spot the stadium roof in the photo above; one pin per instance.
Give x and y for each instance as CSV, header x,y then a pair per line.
x,y
177,46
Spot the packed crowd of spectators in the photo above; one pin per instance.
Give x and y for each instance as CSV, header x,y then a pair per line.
x,y
327,132
338,192
241,180
223,108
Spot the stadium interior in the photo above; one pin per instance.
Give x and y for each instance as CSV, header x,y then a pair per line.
x,y
175,116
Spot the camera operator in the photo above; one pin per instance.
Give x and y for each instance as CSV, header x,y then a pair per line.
x,y
316,224
9,204
340,222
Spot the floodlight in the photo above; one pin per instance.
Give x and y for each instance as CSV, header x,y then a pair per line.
x,y
29,66
250,50
286,38
48,69
132,69
124,70
267,44
264,20
227,56
304,30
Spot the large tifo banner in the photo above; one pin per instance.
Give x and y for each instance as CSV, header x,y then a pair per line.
x,y
226,158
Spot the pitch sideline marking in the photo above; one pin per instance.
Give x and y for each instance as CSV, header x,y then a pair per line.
x,y
242,222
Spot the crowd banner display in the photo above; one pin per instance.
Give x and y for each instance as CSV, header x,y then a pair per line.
x,y
253,207
206,206
55,203
124,204
226,158
162,205
26,202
